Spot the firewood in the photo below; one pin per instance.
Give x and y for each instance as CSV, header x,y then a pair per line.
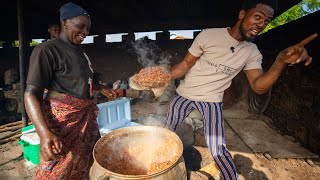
x,y
13,138
11,134
11,124
13,128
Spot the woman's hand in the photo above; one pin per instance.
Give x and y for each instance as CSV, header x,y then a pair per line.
x,y
49,143
50,146
296,53
109,93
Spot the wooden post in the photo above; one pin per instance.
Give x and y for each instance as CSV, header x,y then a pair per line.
x,y
21,61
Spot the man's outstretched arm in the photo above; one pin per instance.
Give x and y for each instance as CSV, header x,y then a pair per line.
x,y
261,82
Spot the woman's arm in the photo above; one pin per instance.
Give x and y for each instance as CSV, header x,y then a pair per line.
x,y
48,140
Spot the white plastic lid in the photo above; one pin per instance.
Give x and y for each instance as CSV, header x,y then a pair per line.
x,y
31,138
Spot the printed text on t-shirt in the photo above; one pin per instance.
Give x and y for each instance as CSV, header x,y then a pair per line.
x,y
222,68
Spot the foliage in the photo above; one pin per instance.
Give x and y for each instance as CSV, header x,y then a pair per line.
x,y
16,43
297,11
32,43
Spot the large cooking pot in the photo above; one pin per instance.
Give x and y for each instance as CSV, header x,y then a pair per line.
x,y
139,152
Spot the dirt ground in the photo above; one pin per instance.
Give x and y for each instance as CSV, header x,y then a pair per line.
x,y
249,165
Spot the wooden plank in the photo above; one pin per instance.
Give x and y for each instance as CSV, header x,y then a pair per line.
x,y
263,139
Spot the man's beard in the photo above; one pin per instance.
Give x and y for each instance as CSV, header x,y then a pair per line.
x,y
243,34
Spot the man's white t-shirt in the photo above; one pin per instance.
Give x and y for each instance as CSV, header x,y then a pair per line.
x,y
217,64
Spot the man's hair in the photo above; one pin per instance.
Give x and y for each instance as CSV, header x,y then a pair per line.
x,y
249,4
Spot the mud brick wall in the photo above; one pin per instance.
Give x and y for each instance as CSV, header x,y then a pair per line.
x,y
295,103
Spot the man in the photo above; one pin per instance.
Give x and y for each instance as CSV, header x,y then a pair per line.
x,y
216,56
65,119
54,30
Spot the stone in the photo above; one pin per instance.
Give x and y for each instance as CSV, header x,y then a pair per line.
x,y
11,76
168,93
190,121
11,105
199,138
147,95
196,175
165,97
268,156
195,114
185,132
16,86
195,120
310,162
13,94
195,123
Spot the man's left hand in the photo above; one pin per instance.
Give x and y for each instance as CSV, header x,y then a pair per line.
x,y
296,53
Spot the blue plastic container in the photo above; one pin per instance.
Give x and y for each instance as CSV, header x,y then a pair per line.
x,y
114,115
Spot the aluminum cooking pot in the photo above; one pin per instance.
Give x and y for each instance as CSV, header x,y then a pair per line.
x,y
127,139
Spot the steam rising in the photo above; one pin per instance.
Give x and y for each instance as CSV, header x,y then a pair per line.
x,y
158,120
149,54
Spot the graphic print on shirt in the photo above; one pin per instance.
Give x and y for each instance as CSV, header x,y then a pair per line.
x,y
221,68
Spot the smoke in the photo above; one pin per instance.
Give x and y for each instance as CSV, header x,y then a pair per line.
x,y
149,54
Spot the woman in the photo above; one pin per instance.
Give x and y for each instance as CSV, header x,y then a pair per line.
x,y
65,119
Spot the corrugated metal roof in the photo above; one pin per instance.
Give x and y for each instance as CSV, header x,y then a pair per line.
x,y
125,15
